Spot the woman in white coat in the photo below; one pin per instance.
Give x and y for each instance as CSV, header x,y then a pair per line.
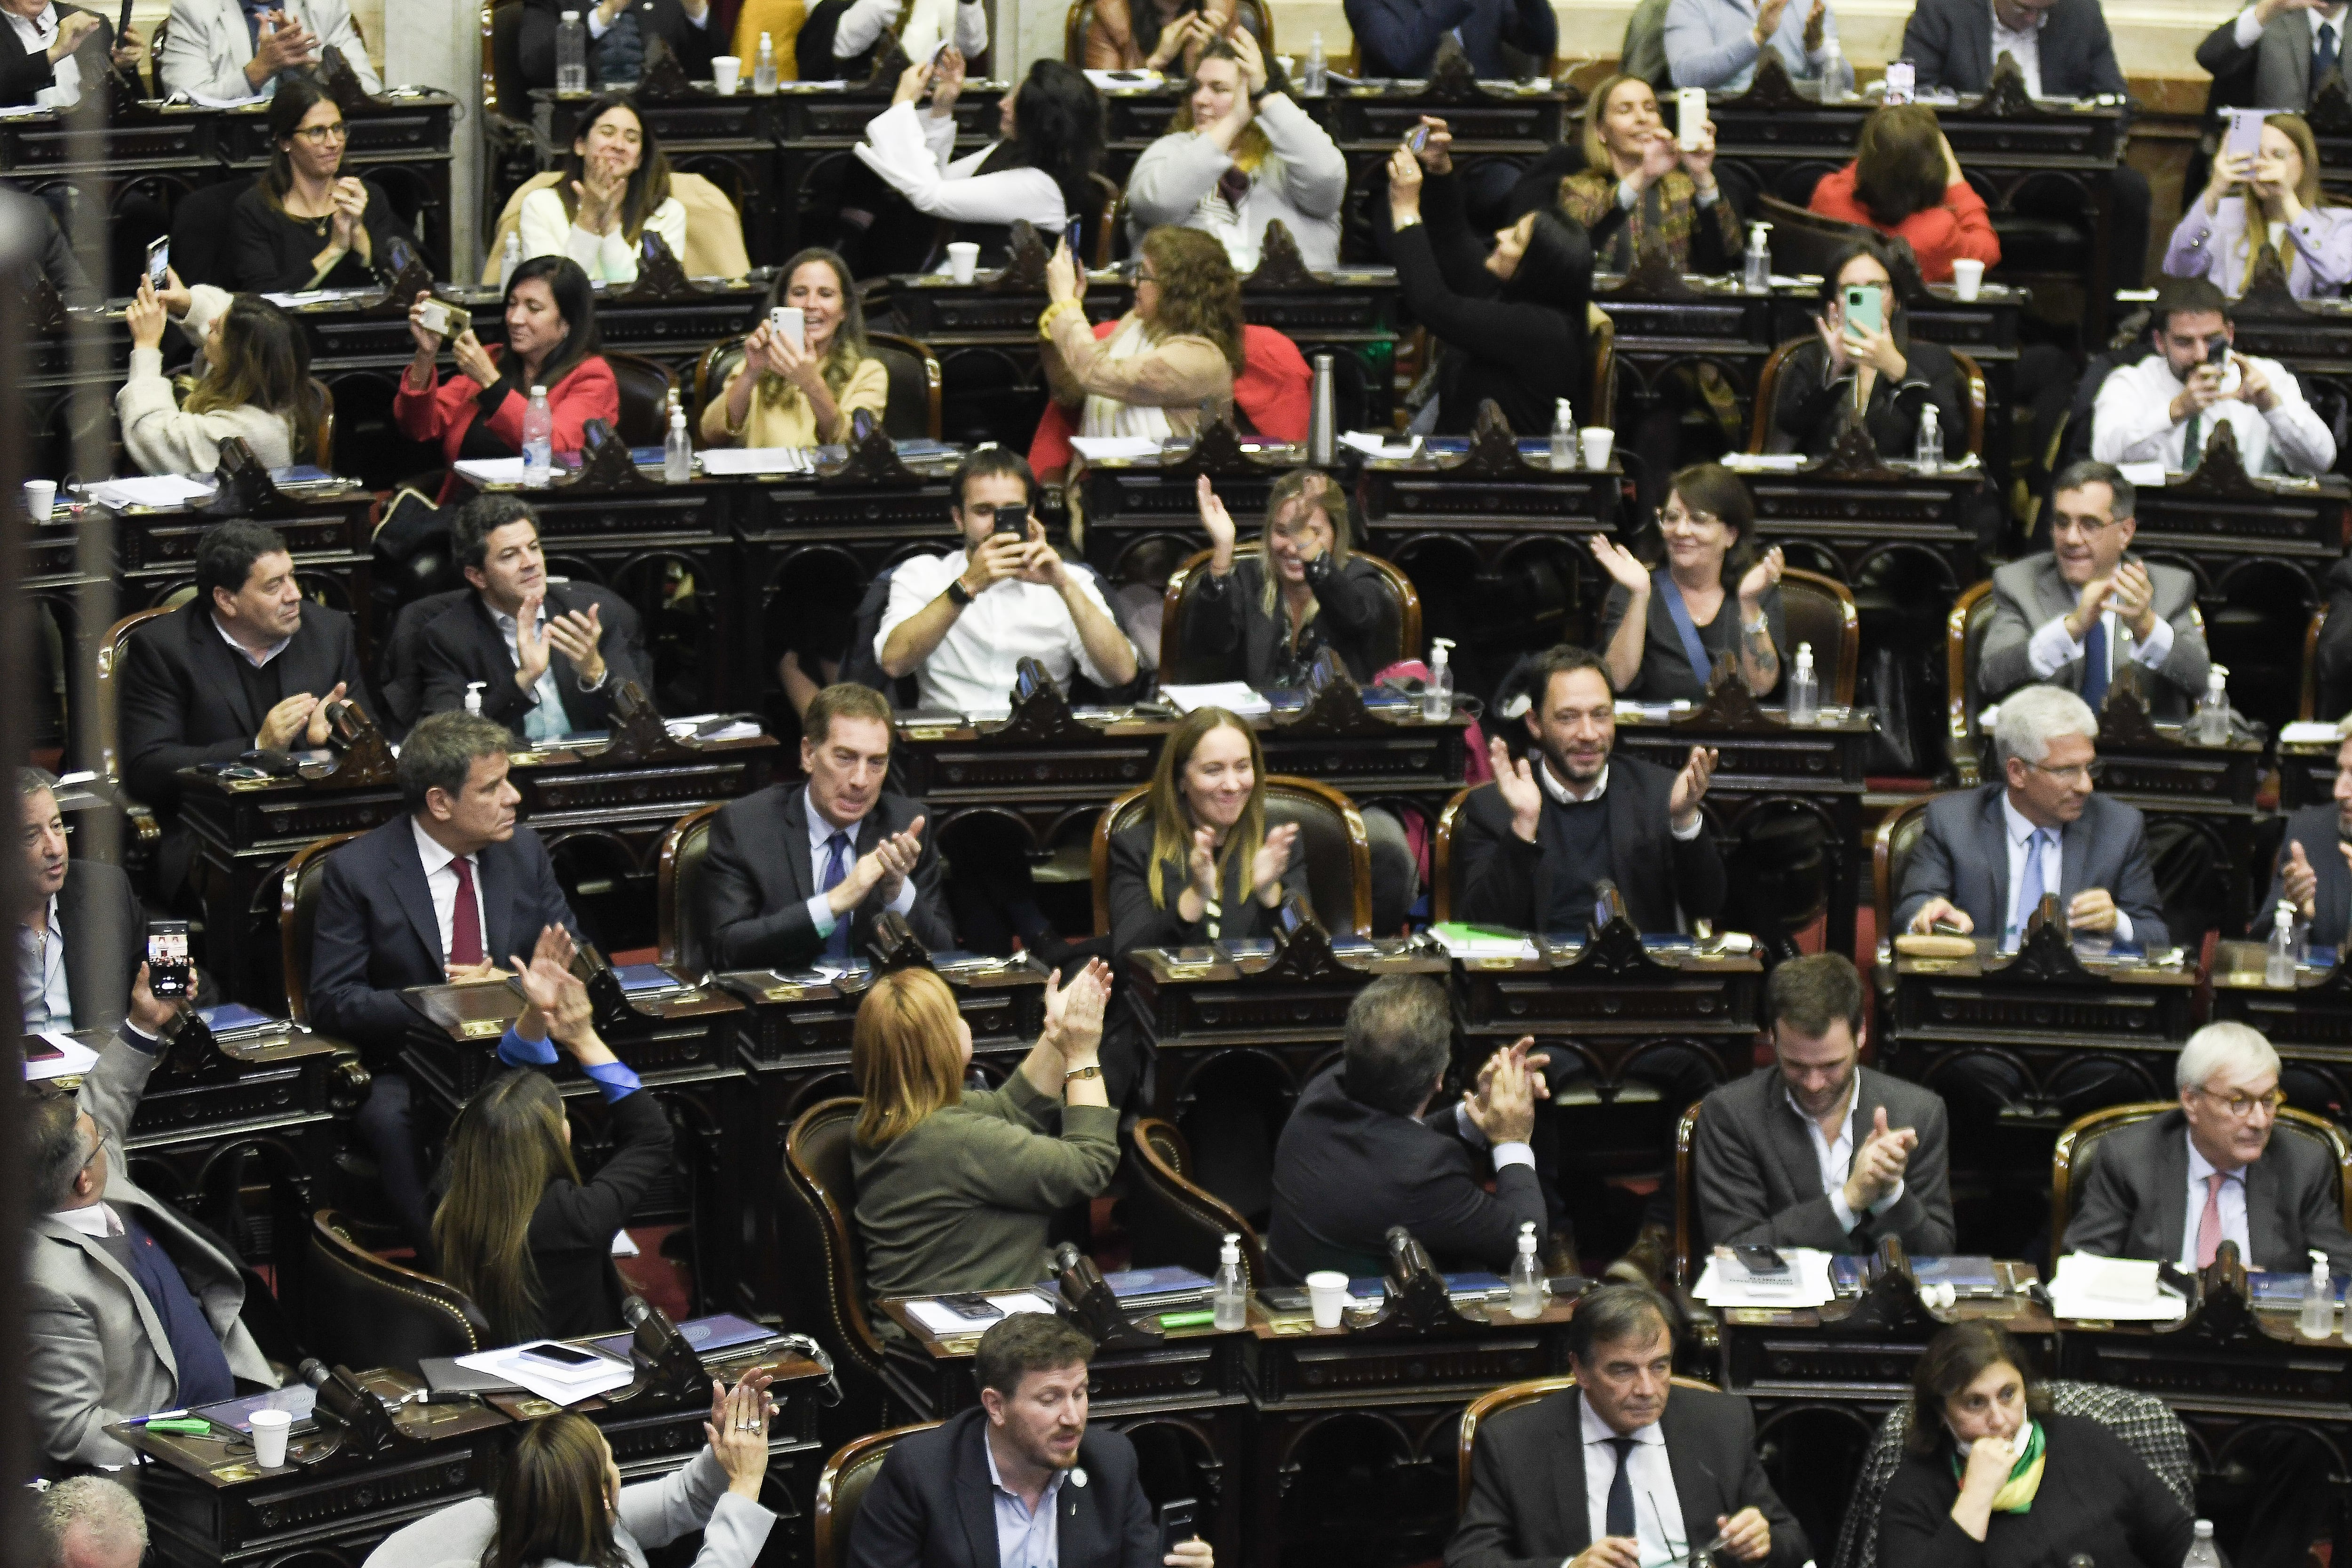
x,y
255,382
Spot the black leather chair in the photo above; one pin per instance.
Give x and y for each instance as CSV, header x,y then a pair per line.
x,y
645,385
297,917
362,1312
859,667
1173,1220
817,1194
1183,583
683,924
400,679
200,229
913,413
1331,845
841,1490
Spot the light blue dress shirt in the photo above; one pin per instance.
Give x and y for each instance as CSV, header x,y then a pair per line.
x,y
1712,43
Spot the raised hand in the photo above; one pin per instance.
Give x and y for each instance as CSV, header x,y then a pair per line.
x,y
350,197
1624,567
946,82
1252,61
531,646
1437,154
2299,879
2132,598
1658,160
1504,1109
1690,787
473,360
289,718
1762,579
2230,170
2089,606
1077,1018
428,341
1515,781
144,316
1065,279
1768,20
1218,523
897,856
911,83
1272,858
2253,386
1816,23
577,636
1699,162
1404,188
149,1011
1200,864
316,729
738,1431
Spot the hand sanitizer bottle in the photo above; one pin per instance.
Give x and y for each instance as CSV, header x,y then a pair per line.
x,y
1756,275
2278,953
763,66
1527,1281
1563,436
474,696
2318,1300
1837,75
1437,697
538,441
1927,448
1314,75
509,259
1228,1296
2210,726
1804,689
677,451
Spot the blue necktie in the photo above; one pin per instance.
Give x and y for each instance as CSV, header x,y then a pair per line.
x,y
1618,1517
2094,663
837,867
2030,886
2323,55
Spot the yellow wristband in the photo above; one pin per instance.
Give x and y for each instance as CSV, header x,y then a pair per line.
x,y
1045,320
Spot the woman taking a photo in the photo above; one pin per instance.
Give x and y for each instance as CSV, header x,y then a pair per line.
x,y
1204,865
1662,628
786,395
305,224
957,1188
1512,319
255,384
1991,1478
2220,234
613,186
550,317
1905,182
1154,35
1179,347
1880,369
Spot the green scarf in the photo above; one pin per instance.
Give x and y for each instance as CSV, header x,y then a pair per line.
x,y
2016,1494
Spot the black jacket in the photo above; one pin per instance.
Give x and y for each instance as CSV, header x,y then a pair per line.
x,y
933,1505
1136,922
571,1235
1501,879
1528,1504
758,879
1344,1173
1355,616
23,73
464,644
1807,410
2097,1496
269,252
2314,828
1950,43
106,941
375,933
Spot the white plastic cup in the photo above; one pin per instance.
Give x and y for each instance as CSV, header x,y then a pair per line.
x,y
40,498
1967,276
1327,1296
1599,439
726,71
963,261
269,1429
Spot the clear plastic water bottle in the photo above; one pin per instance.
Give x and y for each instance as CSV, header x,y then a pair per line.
x,y
1927,448
763,66
1527,1281
1804,689
1837,75
2210,726
1755,268
2202,1552
2318,1300
538,441
1314,78
2278,953
509,259
1564,437
1229,1294
677,451
572,54
1437,697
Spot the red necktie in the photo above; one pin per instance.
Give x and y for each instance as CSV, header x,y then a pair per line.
x,y
2208,1224
466,920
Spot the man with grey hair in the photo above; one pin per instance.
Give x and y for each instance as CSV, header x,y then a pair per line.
x,y
88,1521
82,936
1362,1152
2176,1187
2077,613
1987,855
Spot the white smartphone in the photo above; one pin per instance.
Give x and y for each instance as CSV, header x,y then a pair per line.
x,y
1690,116
2245,136
790,321
433,317
1902,79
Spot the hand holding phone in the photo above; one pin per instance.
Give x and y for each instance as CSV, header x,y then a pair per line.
x,y
1178,1523
168,969
159,263
1690,116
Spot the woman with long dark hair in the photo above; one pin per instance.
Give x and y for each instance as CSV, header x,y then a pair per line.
x,y
1905,182
551,320
1204,865
1513,318
1882,372
788,394
305,224
1663,626
256,382
613,186
1178,347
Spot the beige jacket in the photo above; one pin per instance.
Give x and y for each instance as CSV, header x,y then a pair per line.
x,y
163,438
788,421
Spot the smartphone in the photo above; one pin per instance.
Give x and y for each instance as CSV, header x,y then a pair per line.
x,y
159,262
1013,519
1761,1261
2245,132
1076,235
1902,81
167,958
790,321
1690,116
1417,139
447,320
123,23
971,1307
941,52
1176,1522
552,1354
2217,354
1866,307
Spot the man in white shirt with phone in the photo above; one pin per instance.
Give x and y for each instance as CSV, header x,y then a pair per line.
x,y
2163,409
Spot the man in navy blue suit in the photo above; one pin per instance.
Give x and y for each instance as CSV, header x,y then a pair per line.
x,y
445,893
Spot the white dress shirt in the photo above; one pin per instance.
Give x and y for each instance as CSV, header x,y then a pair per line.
x,y
41,978
2053,645
821,833
1835,1156
2019,834
972,669
2232,1199
247,654
2131,421
2024,46
39,35
2248,31
97,1221
1657,1510
443,883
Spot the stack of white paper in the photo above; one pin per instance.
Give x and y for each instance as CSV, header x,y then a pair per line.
x,y
1234,695
721,461
492,470
1472,941
1103,448
1371,444
943,1321
2311,733
2148,475
1730,1285
151,489
549,1383
2116,1289
1764,462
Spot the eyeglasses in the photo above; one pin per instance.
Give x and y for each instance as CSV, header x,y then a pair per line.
x,y
2242,1105
2092,770
2087,527
320,135
1143,277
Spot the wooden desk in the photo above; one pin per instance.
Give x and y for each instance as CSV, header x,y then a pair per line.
x,y
2208,790
2234,532
1851,522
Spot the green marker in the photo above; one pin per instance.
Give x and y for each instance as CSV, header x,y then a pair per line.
x,y
183,1426
1187,1320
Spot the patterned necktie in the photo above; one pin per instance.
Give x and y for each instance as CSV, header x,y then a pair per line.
x,y
836,868
2208,1224
2030,885
2094,663
466,918
1618,1518
2192,443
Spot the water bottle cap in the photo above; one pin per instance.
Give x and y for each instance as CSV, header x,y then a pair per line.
x,y
2204,1530
539,392
571,16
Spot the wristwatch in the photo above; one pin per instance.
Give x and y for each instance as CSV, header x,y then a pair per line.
x,y
1092,1069
959,593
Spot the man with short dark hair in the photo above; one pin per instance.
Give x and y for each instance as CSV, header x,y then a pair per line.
x,y
2163,408
548,656
800,871
1026,1465
444,893
2062,617
244,666
88,1521
1362,1151
1613,1473
1817,1149
84,935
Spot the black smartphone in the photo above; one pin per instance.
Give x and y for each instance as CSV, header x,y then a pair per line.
x,y
167,958
1076,235
1176,1526
1761,1261
973,1307
123,23
554,1354
2217,353
159,262
1013,519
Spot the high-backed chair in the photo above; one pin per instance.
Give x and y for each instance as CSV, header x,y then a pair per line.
x,y
200,229
1331,844
1890,852
916,381
360,1311
714,229
841,1491
1510,1396
1820,611
1183,588
683,922
1763,436
1443,895
107,700
1171,1220
2315,701
400,679
1964,634
322,429
297,917
645,385
825,1293
1804,241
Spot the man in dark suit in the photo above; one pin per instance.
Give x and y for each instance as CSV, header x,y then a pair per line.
x,y
1023,1479
2314,863
2175,1187
1613,1473
550,657
684,25
443,893
62,50
244,666
2059,617
82,941
2273,54
1534,845
1987,855
802,871
1817,1149
1357,1155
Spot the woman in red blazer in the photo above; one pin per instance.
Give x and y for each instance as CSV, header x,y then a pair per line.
x,y
551,343
1903,181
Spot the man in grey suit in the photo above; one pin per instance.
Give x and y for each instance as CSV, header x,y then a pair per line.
x,y
1987,855
1817,1149
129,1309
2177,1187
2315,863
2060,617
2289,45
